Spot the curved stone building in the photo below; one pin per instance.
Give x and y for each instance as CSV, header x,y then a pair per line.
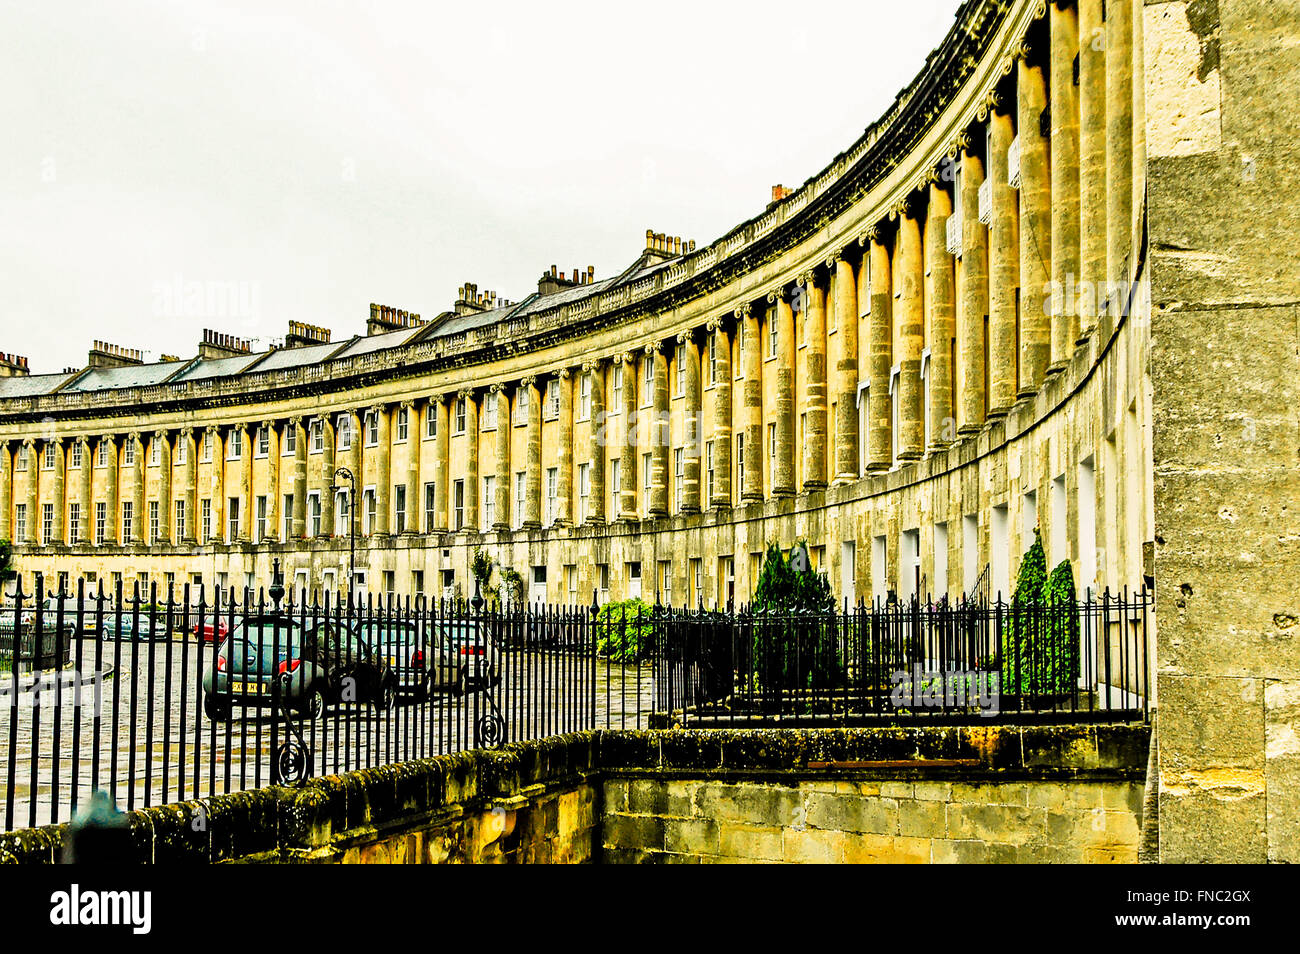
x,y
943,339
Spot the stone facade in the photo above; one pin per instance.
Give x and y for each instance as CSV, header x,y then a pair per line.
x,y
1054,286
854,367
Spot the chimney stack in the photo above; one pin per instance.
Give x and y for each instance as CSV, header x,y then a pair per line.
x,y
105,355
302,334
216,344
12,365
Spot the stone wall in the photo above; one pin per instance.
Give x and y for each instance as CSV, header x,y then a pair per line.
x,y
964,795
1225,283
943,794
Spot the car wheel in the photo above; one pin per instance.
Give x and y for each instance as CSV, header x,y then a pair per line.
x,y
314,708
216,709
386,699
424,690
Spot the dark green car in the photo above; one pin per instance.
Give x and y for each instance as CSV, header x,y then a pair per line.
x,y
269,657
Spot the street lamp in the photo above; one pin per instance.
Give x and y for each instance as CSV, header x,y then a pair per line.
x,y
352,521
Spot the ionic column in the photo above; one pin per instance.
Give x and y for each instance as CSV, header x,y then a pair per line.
x,y
413,501
189,487
533,460
1035,226
86,528
880,347
441,445
814,438
1092,164
58,486
783,322
328,465
217,483
1065,182
972,297
720,410
137,492
627,470
1004,267
846,370
272,480
911,331
111,504
33,532
245,436
747,321
7,489
355,459
564,453
298,519
942,318
471,459
692,441
165,505
1119,149
383,471
504,424
659,437
595,371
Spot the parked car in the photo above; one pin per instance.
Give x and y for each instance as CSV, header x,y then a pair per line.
x,y
406,648
209,629
468,653
132,626
313,669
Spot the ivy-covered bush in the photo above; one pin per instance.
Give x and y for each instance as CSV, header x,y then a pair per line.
x,y
624,630
1040,635
6,555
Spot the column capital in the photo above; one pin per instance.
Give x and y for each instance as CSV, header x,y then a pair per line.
x,y
379,407
592,364
528,381
716,323
777,294
161,434
909,207
686,337
742,311
187,432
407,405
627,357
103,439
497,387
83,439
442,397
564,373
133,436
466,394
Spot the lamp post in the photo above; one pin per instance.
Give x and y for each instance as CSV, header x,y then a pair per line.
x,y
352,521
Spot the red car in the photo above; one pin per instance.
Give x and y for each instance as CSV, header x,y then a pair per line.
x,y
208,628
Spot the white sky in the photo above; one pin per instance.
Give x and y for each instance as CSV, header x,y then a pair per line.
x,y
324,155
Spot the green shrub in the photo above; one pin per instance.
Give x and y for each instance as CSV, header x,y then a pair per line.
x,y
1040,635
624,630
6,555
795,643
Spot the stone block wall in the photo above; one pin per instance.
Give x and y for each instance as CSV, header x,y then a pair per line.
x,y
860,821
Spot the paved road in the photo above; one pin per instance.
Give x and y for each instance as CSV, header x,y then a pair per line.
x,y
153,739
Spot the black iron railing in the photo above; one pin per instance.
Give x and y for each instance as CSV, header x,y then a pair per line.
x,y
159,698
913,661
166,697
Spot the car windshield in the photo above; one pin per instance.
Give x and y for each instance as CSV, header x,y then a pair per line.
x,y
391,635
461,632
267,635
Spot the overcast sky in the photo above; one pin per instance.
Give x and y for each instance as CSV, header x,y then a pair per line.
x,y
298,160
